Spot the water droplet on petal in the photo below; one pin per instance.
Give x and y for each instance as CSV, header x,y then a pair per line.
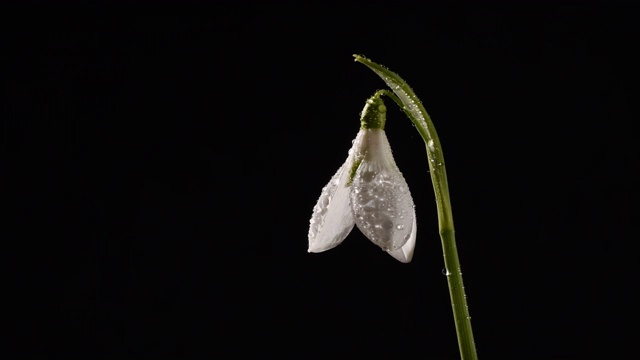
x,y
387,224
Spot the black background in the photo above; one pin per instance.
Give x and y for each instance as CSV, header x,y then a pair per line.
x,y
165,160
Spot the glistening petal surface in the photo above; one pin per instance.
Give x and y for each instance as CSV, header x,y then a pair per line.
x,y
405,253
332,218
380,198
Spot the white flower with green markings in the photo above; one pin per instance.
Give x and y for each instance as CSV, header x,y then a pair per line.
x,y
368,191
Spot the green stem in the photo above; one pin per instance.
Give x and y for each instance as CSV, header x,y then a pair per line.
x,y
409,102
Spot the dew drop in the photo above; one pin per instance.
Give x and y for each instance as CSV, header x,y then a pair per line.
x,y
367,176
431,145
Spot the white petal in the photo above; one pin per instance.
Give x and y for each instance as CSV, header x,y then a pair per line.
x,y
380,198
405,253
332,218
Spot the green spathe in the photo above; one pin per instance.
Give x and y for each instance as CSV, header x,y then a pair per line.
x,y
374,114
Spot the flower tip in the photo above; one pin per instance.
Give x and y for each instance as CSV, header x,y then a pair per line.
x,y
405,253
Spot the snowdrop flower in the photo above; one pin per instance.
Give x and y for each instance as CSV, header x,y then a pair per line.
x,y
368,191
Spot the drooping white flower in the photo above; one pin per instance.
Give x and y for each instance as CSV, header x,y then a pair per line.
x,y
368,191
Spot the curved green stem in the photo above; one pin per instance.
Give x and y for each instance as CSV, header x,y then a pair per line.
x,y
409,102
